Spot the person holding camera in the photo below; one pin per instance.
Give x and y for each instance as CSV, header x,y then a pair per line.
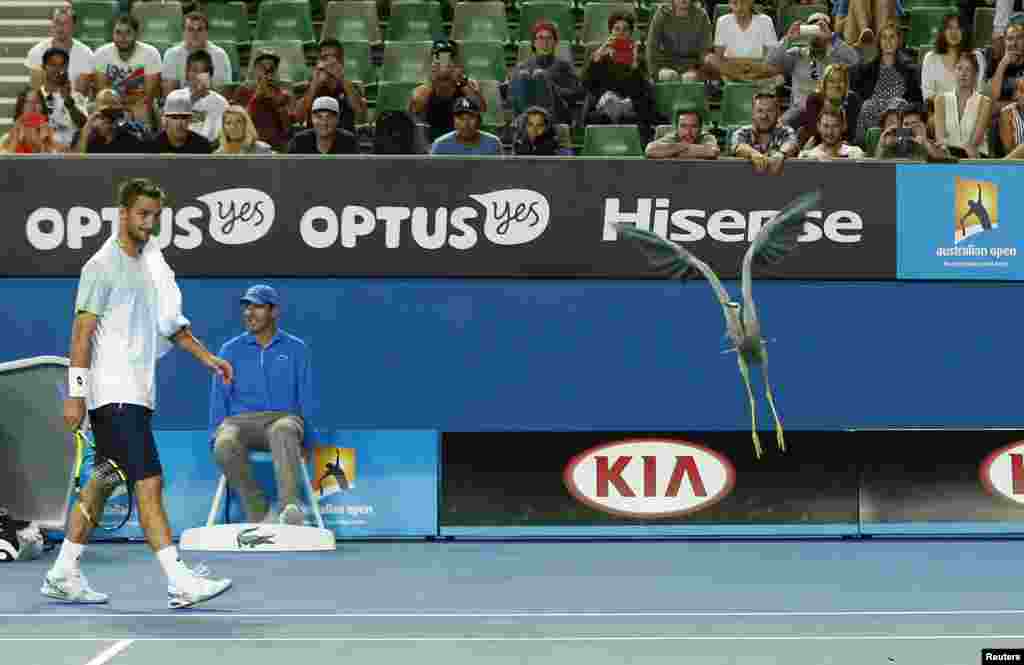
x,y
615,77
64,106
329,81
962,116
905,135
266,102
434,101
109,130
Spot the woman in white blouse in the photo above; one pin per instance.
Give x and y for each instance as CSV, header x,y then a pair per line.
x,y
962,117
938,72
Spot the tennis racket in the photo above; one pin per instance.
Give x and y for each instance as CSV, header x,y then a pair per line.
x,y
83,442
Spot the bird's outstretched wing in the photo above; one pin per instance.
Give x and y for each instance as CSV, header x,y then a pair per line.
x,y
670,259
777,239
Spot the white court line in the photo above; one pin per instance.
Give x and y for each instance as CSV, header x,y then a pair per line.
x,y
566,638
540,614
106,655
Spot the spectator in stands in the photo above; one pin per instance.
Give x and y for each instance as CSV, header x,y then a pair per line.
x,y
467,139
62,29
1001,21
938,71
1009,68
831,127
267,102
890,76
238,134
742,41
861,21
110,129
28,100
917,145
65,107
1011,121
329,81
208,105
434,101
326,137
545,79
132,69
197,32
678,40
176,137
537,135
962,117
30,135
396,133
806,64
765,143
688,141
833,89
615,76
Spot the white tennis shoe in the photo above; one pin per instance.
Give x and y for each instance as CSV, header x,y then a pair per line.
x,y
70,586
197,588
293,515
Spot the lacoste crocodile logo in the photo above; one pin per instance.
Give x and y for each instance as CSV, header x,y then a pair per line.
x,y
246,538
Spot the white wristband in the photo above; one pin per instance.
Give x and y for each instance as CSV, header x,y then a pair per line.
x,y
78,382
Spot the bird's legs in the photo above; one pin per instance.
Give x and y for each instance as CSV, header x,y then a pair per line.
x,y
745,371
771,400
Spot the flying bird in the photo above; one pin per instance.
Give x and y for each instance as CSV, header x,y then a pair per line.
x,y
775,241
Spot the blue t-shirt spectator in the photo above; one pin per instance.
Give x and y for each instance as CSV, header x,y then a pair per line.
x,y
487,144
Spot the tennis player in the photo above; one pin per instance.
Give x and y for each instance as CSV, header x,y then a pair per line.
x,y
128,313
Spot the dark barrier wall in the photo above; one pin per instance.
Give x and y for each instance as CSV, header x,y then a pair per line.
x,y
594,355
415,217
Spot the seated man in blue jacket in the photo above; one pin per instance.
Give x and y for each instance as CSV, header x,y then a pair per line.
x,y
267,407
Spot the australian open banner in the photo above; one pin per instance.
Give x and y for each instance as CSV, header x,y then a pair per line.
x,y
607,484
417,217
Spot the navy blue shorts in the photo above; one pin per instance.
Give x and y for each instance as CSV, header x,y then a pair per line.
x,y
124,434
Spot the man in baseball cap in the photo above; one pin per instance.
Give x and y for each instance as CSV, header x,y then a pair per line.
x,y
269,406
467,139
177,137
266,101
326,137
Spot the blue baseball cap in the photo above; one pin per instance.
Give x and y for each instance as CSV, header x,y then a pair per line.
x,y
261,294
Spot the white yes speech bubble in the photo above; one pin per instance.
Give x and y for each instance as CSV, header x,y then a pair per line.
x,y
239,216
514,216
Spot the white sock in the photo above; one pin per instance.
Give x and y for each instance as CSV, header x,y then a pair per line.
x,y
69,555
175,570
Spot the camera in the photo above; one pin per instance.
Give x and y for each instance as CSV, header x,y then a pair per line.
x,y
904,141
810,31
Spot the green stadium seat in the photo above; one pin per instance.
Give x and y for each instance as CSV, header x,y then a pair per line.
x,y
160,23
483,60
480,22
359,64
984,18
352,21
737,103
235,59
293,59
394,95
722,10
94,22
405,62
669,96
925,24
612,141
557,12
229,23
929,4
415,22
492,119
871,138
285,21
595,20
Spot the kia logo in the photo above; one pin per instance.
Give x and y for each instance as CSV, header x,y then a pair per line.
x,y
649,478
1002,472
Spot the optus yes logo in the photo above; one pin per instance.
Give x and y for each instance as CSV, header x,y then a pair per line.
x,y
1002,472
239,216
649,478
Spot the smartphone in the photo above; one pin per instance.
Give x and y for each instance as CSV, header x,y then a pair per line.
x,y
622,51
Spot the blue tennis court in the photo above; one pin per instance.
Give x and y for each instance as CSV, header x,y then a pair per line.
x,y
713,602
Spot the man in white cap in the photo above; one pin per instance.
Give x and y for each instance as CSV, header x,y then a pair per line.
x,y
176,137
326,138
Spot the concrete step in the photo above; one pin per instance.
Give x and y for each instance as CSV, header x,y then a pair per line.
x,y
10,86
17,47
37,28
12,67
27,8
